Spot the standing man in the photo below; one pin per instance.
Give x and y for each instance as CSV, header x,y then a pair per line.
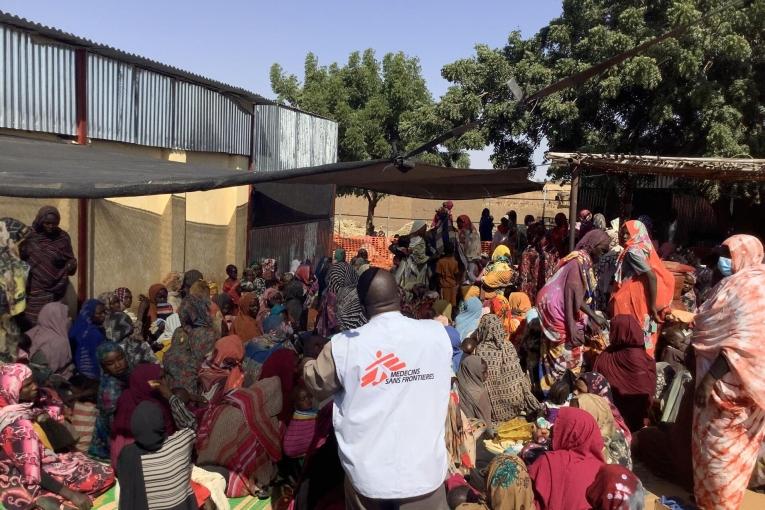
x,y
390,380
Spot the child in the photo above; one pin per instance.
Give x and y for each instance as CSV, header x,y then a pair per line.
x,y
469,345
301,430
231,285
448,270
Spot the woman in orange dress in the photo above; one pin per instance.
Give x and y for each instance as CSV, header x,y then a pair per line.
x,y
643,287
729,417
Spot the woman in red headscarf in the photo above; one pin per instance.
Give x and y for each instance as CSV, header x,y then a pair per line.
x,y
729,417
561,477
629,370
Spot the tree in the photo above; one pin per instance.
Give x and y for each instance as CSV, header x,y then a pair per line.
x,y
696,95
381,107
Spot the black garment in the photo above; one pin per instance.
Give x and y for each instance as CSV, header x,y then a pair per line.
x,y
486,229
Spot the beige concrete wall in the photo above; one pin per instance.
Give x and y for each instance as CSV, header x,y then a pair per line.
x,y
394,214
136,241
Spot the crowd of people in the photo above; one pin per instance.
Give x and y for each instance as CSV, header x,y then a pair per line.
x,y
531,375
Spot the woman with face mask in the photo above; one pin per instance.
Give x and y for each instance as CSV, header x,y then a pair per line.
x,y
729,417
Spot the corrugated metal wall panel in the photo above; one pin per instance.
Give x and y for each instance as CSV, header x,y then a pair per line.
x,y
154,109
111,99
288,242
287,139
209,121
37,84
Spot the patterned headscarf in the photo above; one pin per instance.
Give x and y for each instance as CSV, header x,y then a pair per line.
x,y
745,251
490,329
341,275
638,241
106,348
16,229
121,295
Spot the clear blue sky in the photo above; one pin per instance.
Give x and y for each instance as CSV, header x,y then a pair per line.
x,y
236,41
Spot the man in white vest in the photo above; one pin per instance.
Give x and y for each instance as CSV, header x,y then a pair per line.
x,y
390,380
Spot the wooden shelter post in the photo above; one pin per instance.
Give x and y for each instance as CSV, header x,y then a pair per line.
x,y
572,207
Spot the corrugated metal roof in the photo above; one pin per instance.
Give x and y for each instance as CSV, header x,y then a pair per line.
x,y
37,84
131,58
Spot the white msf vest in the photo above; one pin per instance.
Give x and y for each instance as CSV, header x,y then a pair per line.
x,y
390,417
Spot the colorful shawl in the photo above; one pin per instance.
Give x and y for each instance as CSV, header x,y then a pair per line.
x,y
598,385
508,485
241,434
224,365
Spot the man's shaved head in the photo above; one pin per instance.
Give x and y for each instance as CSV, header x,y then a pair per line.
x,y
378,292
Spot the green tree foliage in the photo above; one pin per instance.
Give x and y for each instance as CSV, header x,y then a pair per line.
x,y
696,95
382,108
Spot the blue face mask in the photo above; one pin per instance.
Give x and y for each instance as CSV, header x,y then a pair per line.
x,y
725,266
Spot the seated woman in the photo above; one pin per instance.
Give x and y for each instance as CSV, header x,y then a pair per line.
x,y
245,324
629,369
616,488
191,344
31,475
155,471
240,431
153,312
141,387
595,383
471,386
86,335
50,340
561,477
617,449
114,379
508,485
509,387
222,370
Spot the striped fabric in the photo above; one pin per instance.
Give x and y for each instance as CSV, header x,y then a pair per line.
x,y
84,419
167,472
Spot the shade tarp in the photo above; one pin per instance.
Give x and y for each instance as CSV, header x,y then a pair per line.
x,y
717,169
43,169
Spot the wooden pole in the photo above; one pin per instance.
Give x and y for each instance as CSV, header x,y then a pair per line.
x,y
572,206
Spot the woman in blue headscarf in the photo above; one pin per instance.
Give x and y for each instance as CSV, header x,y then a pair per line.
x,y
115,368
467,320
86,335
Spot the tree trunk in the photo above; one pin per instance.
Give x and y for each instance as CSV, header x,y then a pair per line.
x,y
372,200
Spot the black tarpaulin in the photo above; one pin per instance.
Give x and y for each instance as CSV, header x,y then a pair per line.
x,y
42,169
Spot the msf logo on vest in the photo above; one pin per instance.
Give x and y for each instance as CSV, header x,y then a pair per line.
x,y
389,369
380,369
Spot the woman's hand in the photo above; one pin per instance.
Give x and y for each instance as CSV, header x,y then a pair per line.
x,y
704,390
80,500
